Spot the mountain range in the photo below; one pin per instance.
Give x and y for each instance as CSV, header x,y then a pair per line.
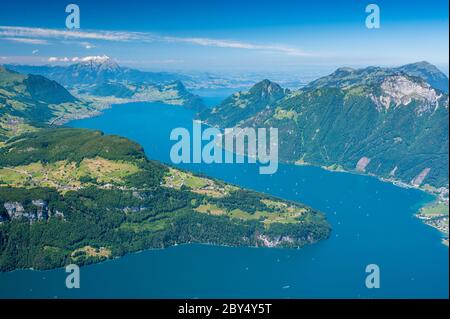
x,y
30,101
96,69
101,80
74,195
80,196
32,95
389,122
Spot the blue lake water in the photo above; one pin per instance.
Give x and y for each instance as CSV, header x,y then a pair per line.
x,y
372,222
213,97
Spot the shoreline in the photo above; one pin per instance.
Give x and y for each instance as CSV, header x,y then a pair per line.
x,y
438,220
130,253
438,196
100,105
433,191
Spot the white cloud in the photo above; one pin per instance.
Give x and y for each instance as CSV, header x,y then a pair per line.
x,y
55,59
96,58
118,36
9,31
237,45
26,40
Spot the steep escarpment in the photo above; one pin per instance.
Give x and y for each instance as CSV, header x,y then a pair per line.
x,y
388,122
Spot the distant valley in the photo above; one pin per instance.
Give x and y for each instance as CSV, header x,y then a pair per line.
x,y
102,81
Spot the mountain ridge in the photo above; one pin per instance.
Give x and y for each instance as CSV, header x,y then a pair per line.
x,y
101,81
429,73
229,113
79,196
374,120
96,69
31,101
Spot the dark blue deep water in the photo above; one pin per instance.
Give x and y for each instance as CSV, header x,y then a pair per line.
x,y
372,222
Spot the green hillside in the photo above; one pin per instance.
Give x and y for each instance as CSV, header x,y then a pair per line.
x,y
30,101
375,120
102,81
243,105
75,195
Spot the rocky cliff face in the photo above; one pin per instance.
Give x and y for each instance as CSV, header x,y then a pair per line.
x,y
428,72
37,211
388,122
401,90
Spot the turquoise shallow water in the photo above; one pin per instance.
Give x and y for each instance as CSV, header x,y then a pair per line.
x,y
372,222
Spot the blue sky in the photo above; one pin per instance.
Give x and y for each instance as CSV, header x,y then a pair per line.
x,y
228,35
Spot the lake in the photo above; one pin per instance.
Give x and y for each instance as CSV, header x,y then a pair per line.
x,y
372,222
